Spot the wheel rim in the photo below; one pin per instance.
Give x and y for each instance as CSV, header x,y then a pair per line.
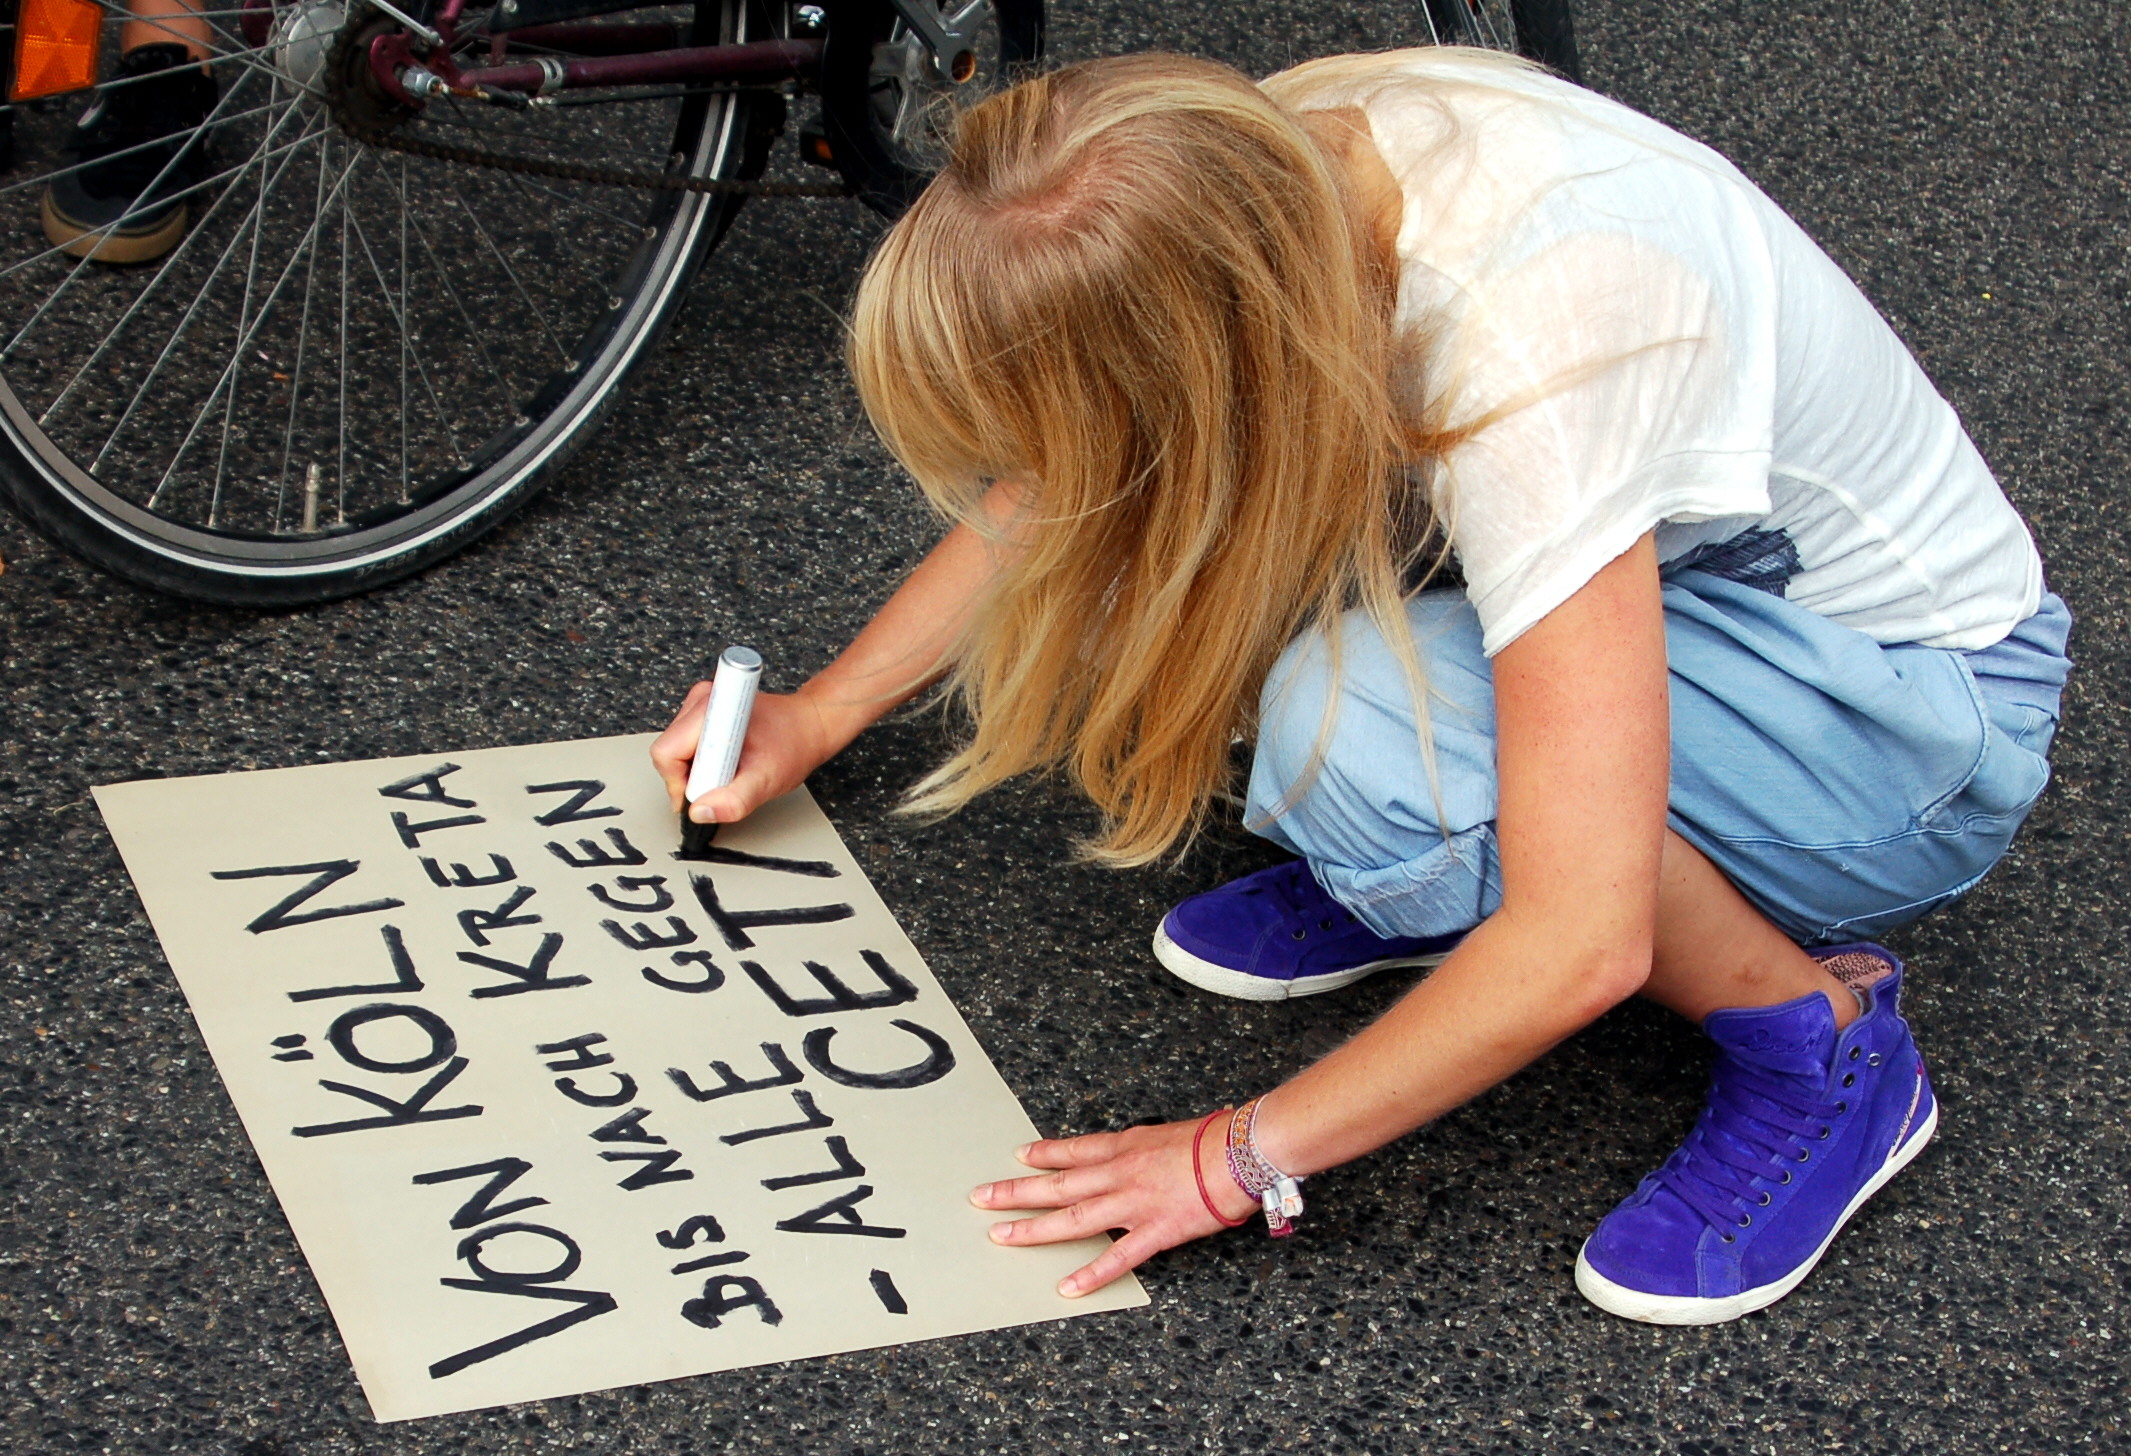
x,y
390,340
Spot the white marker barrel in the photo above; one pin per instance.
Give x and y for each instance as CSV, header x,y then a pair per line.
x,y
732,700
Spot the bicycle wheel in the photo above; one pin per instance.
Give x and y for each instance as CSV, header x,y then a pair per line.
x,y
355,360
885,103
1540,29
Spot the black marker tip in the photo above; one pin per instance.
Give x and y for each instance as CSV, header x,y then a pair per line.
x,y
695,838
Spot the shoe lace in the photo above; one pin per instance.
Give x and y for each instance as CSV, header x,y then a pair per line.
x,y
1758,1125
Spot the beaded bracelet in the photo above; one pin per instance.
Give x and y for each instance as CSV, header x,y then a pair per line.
x,y
1277,1193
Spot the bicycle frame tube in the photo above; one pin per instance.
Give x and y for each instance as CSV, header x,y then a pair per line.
x,y
629,55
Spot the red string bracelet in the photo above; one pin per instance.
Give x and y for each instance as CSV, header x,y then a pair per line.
x,y
1198,1173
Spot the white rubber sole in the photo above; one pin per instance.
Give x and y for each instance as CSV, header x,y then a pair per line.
x,y
1682,1309
1222,981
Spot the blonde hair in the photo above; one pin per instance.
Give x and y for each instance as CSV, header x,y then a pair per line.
x,y
1137,291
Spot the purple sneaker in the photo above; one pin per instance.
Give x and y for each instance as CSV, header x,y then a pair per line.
x,y
1803,1125
1277,934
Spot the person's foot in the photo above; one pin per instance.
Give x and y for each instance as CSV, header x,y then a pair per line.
x,y
134,155
1277,934
1803,1124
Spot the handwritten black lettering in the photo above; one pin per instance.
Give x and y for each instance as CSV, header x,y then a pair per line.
x,y
840,1216
846,1167
398,1112
624,1091
938,1061
590,1303
727,1294
443,1041
427,788
731,1083
532,976
658,1168
661,897
592,857
479,1209
324,874
701,1228
885,1291
411,833
462,878
645,938
811,1117
403,979
477,923
895,990
628,1128
819,869
711,979
581,792
293,1040
734,925
709,1261
576,1053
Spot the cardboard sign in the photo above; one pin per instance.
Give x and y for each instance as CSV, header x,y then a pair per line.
x,y
551,1108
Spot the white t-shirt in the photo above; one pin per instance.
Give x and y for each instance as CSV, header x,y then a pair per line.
x,y
1670,352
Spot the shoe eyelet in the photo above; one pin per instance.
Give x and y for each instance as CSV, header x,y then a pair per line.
x,y
1805,1155
1324,925
1746,1220
1824,1131
1301,934
1854,1052
1729,1238
1841,1108
1873,1060
1786,1175
1849,1079
1764,1198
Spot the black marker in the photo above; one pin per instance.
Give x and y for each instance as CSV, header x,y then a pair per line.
x,y
732,702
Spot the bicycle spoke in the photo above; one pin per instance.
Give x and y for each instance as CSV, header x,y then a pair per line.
x,y
504,263
229,370
145,201
177,335
405,342
428,386
631,224
474,331
303,343
163,271
236,362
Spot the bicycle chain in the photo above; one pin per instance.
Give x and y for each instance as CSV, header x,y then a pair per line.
x,y
598,176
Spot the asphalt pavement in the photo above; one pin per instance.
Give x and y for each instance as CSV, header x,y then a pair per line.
x,y
1966,161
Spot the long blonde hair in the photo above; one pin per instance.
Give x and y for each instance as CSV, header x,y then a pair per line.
x,y
1137,291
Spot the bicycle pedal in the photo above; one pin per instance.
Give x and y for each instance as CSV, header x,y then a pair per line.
x,y
814,147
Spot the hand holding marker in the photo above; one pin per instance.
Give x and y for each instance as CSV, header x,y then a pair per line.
x,y
732,701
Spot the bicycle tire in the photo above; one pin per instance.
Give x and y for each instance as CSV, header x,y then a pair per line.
x,y
1541,30
883,111
610,311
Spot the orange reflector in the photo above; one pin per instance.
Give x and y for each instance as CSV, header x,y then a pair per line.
x,y
56,46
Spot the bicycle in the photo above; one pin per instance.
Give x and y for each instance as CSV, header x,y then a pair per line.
x,y
435,239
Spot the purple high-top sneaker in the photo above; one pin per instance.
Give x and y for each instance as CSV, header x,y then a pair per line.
x,y
1277,934
1803,1125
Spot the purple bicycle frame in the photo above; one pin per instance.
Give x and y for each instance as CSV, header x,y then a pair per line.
x,y
620,55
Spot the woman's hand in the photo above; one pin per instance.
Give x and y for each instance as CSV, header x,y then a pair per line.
x,y
787,739
1139,1180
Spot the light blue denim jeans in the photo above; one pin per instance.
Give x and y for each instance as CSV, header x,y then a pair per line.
x,y
1846,788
